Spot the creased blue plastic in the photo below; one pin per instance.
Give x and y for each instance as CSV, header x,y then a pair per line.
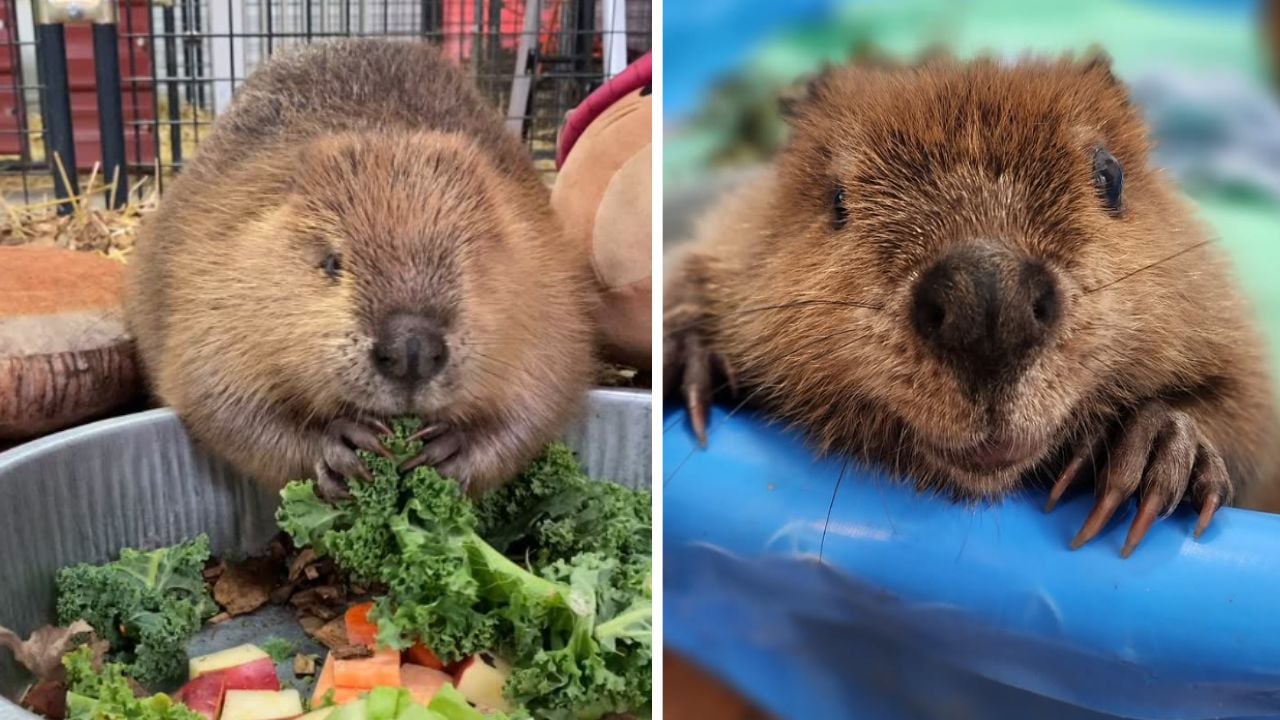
x,y
822,589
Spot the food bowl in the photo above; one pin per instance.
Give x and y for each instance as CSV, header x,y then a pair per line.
x,y
85,494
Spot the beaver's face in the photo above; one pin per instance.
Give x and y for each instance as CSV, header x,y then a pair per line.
x,y
403,259
977,211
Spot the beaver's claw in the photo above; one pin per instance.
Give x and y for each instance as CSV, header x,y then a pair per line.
x,y
1160,456
441,444
338,459
689,355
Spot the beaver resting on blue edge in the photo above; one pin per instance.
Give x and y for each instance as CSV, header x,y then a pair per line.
x,y
970,273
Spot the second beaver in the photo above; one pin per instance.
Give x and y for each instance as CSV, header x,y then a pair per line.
x,y
969,273
359,238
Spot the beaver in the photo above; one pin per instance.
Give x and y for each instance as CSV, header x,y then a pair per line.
x,y
970,274
359,239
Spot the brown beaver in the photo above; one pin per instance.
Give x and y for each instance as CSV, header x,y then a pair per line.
x,y
357,239
970,273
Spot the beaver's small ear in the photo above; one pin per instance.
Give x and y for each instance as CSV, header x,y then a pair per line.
x,y
800,94
1097,61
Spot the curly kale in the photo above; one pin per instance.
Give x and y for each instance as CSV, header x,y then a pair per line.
x,y
571,611
147,605
105,694
557,511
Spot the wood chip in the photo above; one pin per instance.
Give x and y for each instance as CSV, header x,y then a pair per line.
x,y
219,618
312,572
310,624
281,595
304,665
349,652
322,595
301,563
332,634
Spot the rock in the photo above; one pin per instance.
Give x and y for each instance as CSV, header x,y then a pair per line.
x,y
65,356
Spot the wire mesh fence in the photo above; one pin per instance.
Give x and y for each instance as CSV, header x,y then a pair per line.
x,y
180,62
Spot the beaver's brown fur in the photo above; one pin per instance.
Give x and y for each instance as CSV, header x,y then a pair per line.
x,y
803,286
348,182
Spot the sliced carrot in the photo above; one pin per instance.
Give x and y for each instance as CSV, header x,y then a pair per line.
x,y
324,683
420,654
381,670
423,682
359,630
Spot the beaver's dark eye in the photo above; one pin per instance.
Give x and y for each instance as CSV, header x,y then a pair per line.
x,y
1108,178
839,213
332,265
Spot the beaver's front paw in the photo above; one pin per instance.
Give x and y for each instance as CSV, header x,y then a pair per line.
x,y
1159,455
691,364
338,459
441,449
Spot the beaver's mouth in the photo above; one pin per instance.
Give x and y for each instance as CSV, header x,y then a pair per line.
x,y
994,454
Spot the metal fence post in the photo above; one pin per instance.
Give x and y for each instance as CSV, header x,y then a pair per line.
x,y
171,70
106,62
51,18
59,142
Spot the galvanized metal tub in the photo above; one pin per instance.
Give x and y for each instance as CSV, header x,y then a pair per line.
x,y
138,481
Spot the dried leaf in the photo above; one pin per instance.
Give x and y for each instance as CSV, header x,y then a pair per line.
x,y
47,698
243,588
219,618
42,653
214,571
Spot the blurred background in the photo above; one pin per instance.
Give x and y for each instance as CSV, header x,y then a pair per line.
x,y
1205,72
102,102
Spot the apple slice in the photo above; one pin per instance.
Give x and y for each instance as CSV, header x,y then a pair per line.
x,y
423,682
480,680
256,675
261,705
204,694
232,657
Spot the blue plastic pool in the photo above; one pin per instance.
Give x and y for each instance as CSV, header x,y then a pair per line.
x,y
826,591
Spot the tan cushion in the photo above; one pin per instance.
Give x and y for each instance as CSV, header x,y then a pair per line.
x,y
65,356
603,194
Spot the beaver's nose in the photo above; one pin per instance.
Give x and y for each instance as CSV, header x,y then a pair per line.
x,y
410,348
985,313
